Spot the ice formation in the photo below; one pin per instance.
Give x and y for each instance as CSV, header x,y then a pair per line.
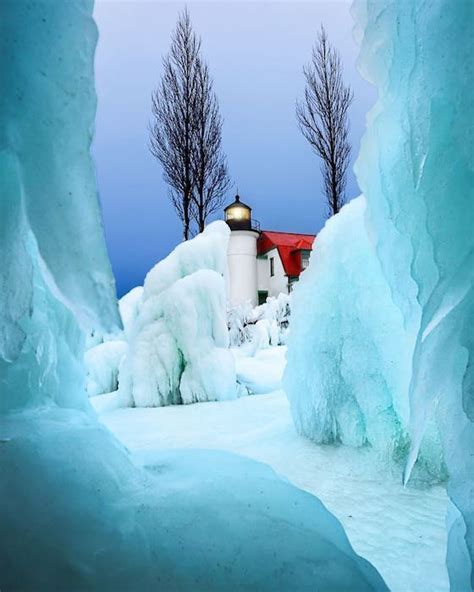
x,y
103,362
405,270
355,336
76,512
128,307
55,278
176,328
262,326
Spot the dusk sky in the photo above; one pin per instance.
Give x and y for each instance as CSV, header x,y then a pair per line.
x,y
256,52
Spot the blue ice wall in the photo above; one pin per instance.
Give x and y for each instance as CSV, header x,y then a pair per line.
x,y
416,170
55,278
397,280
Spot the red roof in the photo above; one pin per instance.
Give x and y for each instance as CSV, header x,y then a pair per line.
x,y
289,247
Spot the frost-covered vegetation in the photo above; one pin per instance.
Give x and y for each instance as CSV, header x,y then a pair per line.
x,y
260,327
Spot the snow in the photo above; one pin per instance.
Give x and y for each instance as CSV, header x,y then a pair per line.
x,y
401,531
261,373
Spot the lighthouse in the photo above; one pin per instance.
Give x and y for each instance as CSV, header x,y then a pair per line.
x,y
242,253
262,263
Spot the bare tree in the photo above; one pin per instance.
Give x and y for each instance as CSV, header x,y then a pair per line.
x,y
322,118
173,104
209,162
186,133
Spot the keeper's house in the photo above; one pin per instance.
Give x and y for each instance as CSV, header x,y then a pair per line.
x,y
262,263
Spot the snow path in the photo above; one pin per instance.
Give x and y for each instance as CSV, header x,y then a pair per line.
x,y
401,531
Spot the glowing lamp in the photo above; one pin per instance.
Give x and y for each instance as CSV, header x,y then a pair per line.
x,y
238,215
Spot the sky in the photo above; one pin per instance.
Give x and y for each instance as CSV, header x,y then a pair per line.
x,y
256,52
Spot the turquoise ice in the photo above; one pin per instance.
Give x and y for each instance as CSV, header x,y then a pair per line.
x,y
55,278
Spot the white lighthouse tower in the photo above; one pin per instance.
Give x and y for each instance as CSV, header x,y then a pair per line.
x,y
242,253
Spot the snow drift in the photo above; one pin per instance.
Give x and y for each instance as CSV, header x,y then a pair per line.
x,y
401,334
75,511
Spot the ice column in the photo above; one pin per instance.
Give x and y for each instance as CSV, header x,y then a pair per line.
x,y
55,277
416,170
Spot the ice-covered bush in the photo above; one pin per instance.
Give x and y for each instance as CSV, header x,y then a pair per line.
x,y
239,324
175,339
261,326
176,328
393,354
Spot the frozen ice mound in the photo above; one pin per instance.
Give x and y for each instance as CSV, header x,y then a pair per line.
x,y
129,307
350,355
411,269
346,334
262,372
177,330
195,520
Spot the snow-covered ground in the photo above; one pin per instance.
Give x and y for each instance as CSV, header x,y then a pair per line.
x,y
400,530
263,372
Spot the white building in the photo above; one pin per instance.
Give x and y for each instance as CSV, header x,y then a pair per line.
x,y
262,263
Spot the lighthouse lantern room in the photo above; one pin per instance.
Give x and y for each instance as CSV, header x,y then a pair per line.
x,y
238,215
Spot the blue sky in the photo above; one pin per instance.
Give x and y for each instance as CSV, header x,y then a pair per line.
x,y
256,51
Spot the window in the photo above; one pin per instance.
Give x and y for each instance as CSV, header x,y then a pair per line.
x,y
305,259
272,266
291,282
